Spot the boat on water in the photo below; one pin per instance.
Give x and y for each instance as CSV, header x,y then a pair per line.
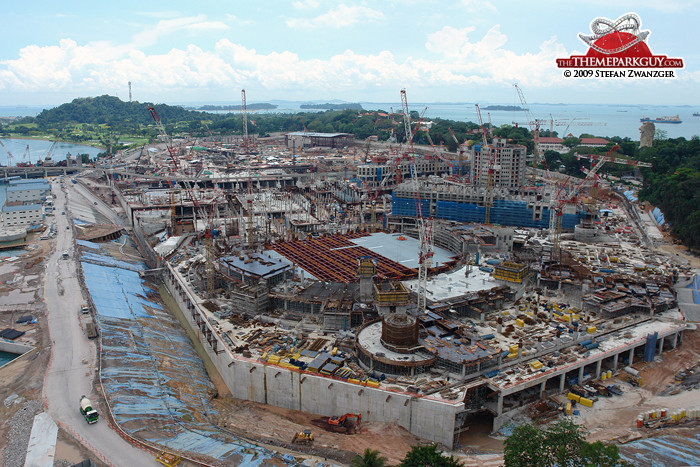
x,y
672,119
696,114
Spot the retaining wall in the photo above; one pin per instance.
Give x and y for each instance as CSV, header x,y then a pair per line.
x,y
426,417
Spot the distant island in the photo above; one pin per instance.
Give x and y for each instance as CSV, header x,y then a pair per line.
x,y
328,106
503,107
260,106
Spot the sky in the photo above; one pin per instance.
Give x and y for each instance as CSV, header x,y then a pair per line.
x,y
181,52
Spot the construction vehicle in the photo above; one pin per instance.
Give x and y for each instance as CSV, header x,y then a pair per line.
x,y
91,330
344,420
303,437
88,412
168,459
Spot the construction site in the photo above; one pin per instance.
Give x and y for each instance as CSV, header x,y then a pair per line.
x,y
448,294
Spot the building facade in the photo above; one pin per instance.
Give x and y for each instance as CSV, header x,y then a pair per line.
x,y
22,215
508,163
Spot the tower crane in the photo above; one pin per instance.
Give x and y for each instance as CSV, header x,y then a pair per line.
x,y
245,124
10,157
534,125
425,225
199,209
560,201
460,151
491,167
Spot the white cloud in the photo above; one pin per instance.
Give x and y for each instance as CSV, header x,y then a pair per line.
x,y
342,16
170,26
452,61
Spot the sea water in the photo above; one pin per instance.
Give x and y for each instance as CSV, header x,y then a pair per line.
x,y
38,149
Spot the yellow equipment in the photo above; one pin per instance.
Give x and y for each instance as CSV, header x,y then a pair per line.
x,y
303,437
168,459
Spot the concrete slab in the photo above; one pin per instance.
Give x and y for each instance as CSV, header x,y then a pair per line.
x,y
405,252
42,442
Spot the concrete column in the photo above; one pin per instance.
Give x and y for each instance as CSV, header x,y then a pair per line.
x,y
499,408
675,339
580,375
598,366
660,346
631,356
464,370
615,357
562,380
542,386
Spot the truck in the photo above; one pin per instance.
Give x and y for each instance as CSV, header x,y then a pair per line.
x,y
91,330
88,412
84,309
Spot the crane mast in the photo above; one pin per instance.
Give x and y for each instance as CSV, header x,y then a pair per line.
x,y
534,125
199,210
245,123
425,225
10,157
488,194
555,221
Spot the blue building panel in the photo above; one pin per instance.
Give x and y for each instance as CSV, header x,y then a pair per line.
x,y
503,212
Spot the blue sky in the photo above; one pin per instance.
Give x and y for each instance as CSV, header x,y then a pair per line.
x,y
440,51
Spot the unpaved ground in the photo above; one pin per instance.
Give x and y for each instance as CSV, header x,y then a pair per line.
x,y
22,379
615,417
276,426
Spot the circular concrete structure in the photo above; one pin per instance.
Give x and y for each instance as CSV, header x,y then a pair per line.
x,y
12,234
375,356
399,332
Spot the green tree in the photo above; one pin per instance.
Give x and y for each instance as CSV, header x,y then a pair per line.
x,y
562,444
571,141
428,456
370,458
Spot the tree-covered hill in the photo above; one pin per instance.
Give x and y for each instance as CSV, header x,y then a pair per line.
x,y
113,111
673,184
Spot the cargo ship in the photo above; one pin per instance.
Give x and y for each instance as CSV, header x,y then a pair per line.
x,y
673,119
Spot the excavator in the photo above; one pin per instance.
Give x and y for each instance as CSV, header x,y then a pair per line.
x,y
344,421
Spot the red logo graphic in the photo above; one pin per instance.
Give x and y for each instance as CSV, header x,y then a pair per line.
x,y
618,44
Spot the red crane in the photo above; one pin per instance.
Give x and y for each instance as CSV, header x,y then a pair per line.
x,y
199,209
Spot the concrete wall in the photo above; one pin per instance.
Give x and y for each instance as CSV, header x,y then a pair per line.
x,y
428,418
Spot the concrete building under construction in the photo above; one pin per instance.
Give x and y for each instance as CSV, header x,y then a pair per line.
x,y
325,319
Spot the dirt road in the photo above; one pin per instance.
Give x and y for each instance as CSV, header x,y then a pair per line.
x,y
72,369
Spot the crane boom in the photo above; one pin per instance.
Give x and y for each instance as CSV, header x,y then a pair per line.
x,y
245,123
207,217
534,125
488,194
10,157
559,200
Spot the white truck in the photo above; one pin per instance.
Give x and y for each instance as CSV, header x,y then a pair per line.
x,y
88,412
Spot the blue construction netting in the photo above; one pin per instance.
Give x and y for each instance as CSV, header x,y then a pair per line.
x,y
116,292
158,387
650,347
695,286
407,207
504,212
94,246
629,194
659,216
